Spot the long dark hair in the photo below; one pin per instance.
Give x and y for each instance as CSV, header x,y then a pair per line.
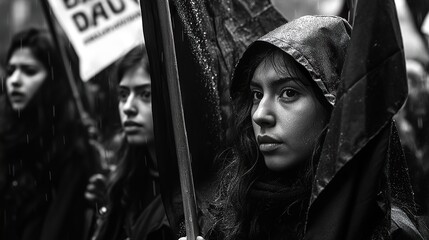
x,y
125,184
44,142
243,163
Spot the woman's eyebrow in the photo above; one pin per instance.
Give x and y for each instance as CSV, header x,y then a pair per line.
x,y
282,80
276,82
253,84
136,87
142,86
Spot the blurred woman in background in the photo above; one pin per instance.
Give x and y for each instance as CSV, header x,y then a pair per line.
x,y
44,156
135,209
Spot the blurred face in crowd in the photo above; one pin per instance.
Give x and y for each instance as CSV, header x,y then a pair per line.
x,y
135,106
25,75
287,117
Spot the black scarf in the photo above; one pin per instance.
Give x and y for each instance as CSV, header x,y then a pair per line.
x,y
279,206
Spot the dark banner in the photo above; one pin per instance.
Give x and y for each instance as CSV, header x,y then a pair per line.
x,y
351,194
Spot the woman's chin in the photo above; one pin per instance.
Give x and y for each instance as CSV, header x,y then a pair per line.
x,y
278,163
18,106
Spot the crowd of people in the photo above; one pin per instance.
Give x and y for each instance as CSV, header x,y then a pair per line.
x,y
283,93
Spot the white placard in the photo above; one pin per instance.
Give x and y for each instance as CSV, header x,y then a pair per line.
x,y
101,31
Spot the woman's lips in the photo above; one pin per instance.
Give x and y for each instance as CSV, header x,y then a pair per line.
x,y
130,126
268,143
269,147
16,96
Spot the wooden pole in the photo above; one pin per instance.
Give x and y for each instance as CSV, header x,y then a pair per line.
x,y
179,127
67,67
85,118
352,10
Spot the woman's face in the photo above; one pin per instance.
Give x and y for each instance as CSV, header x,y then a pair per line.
x,y
135,106
287,118
25,75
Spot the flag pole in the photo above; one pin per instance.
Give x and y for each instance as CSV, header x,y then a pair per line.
x,y
179,127
352,4
85,118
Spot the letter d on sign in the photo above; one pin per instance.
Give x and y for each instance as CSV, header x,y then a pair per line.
x,y
81,21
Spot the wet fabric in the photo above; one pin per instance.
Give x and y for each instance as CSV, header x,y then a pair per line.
x,y
402,227
373,88
317,43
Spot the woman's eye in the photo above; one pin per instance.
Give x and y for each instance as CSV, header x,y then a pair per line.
x,y
289,94
145,95
30,71
10,70
257,95
123,95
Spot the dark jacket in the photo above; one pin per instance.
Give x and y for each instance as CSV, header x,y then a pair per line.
x,y
135,207
43,177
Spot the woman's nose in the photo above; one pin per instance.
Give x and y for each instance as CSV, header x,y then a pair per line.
x,y
129,106
264,113
15,79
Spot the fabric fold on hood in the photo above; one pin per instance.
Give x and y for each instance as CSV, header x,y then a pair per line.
x,y
318,43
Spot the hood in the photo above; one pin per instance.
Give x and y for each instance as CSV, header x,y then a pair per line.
x,y
318,43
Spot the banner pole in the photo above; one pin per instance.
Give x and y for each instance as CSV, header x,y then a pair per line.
x,y
85,118
67,68
352,4
179,127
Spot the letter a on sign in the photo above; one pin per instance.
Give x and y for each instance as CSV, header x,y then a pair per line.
x,y
101,31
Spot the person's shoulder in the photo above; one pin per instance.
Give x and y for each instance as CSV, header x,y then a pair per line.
x,y
402,227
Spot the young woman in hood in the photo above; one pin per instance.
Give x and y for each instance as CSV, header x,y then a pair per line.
x,y
283,92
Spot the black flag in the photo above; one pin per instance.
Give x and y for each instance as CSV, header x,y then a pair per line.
x,y
351,191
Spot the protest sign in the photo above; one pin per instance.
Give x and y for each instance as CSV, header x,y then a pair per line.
x,y
101,31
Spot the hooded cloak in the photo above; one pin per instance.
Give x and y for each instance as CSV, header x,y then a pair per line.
x,y
319,44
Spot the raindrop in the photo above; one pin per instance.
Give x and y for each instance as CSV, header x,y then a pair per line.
x,y
50,176
420,122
